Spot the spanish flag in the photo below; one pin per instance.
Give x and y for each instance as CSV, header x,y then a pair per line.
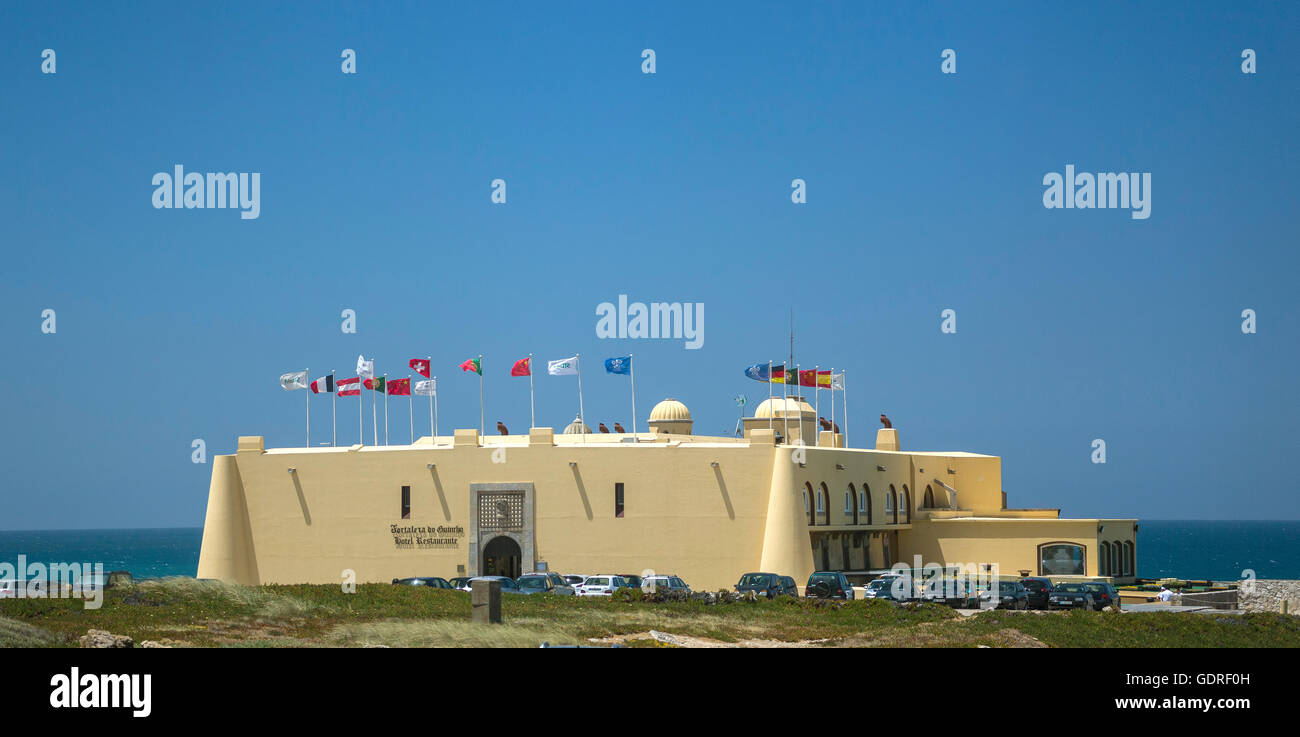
x,y
823,379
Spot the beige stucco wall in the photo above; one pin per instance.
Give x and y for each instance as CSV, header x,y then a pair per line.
x,y
684,515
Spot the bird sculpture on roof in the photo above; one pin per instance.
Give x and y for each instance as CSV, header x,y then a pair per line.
x,y
501,428
603,428
885,420
835,426
618,428
825,423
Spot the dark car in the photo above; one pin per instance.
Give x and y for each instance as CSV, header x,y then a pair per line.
x,y
430,581
828,585
1010,595
633,581
544,583
1039,590
508,585
767,584
1070,596
460,583
1103,594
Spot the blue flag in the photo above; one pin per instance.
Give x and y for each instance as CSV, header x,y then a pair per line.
x,y
619,365
758,372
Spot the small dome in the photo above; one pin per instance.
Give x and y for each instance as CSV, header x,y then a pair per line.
x,y
577,428
670,410
778,407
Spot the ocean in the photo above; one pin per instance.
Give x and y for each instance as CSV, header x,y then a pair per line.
x,y
1186,549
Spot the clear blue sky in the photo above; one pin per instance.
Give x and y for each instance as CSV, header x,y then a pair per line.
x,y
924,193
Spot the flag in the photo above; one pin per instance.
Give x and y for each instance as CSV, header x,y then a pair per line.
x,y
474,365
807,377
375,384
618,365
823,380
350,387
324,384
837,381
522,367
294,380
562,367
758,372
426,388
778,374
421,366
398,388
365,369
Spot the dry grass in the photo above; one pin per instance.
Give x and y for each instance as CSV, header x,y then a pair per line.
x,y
20,634
447,633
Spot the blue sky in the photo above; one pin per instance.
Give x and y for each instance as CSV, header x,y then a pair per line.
x,y
924,193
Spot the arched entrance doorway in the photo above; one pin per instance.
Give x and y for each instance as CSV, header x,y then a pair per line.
x,y
501,557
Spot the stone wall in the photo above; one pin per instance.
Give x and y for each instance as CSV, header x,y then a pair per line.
x,y
1267,596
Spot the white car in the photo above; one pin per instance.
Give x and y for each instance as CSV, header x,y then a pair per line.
x,y
602,584
667,583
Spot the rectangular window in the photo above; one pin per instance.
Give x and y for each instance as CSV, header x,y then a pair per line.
x,y
406,502
618,499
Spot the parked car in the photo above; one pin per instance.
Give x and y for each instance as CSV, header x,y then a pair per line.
x,y
544,583
1040,589
574,580
1010,595
883,588
604,584
430,581
460,583
1104,594
1070,596
767,584
671,583
828,585
508,585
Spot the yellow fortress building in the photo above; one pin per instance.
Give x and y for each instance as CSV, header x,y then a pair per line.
x,y
783,498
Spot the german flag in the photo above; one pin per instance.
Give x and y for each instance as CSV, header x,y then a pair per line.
x,y
778,375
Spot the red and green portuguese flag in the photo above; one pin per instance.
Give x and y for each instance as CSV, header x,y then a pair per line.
x,y
474,365
377,384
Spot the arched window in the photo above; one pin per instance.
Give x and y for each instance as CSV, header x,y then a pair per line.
x,y
927,501
848,503
824,504
808,503
1128,558
1116,563
1103,561
906,504
891,506
853,499
1062,559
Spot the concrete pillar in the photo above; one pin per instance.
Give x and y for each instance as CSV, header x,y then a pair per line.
x,y
485,602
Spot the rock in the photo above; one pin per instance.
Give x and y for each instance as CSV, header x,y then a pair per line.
x,y
152,643
103,639
664,637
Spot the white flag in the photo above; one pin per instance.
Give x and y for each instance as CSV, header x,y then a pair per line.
x,y
294,380
426,388
365,369
837,382
562,367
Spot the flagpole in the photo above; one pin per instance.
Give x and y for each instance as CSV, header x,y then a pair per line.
x,y
769,395
435,409
361,404
817,403
532,411
374,405
582,416
334,409
385,409
432,433
798,387
631,369
410,411
846,408
480,395
308,407
832,404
